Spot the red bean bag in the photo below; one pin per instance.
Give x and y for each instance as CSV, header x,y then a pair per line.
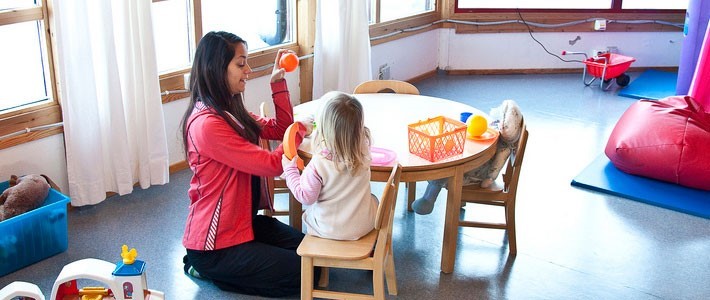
x,y
668,140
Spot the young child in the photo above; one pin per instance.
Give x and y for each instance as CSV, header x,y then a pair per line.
x,y
336,182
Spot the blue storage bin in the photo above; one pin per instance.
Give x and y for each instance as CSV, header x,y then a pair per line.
x,y
35,235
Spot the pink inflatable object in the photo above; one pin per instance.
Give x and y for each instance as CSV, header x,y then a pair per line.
x,y
700,86
668,140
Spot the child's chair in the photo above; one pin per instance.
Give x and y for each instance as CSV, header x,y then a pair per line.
x,y
386,86
371,252
396,87
501,193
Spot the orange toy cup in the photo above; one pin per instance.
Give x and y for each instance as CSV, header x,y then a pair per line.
x,y
288,61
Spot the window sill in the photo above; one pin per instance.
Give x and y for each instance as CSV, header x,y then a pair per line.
x,y
44,115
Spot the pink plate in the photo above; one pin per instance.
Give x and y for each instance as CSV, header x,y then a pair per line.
x,y
381,156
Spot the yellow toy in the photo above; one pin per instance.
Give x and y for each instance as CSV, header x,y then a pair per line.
x,y
476,125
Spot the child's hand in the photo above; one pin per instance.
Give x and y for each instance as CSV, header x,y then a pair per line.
x,y
288,163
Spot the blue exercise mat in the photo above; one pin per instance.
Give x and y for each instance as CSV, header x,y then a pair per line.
x,y
602,176
651,84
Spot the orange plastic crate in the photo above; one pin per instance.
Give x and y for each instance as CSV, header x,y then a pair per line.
x,y
437,138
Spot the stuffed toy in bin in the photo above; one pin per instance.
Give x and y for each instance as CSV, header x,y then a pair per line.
x,y
24,194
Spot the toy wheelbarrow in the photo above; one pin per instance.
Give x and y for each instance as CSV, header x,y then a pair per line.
x,y
606,66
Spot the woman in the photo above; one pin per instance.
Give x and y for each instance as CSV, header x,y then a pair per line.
x,y
226,241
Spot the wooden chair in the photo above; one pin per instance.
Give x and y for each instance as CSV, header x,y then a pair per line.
x,y
277,185
371,252
501,193
397,87
386,86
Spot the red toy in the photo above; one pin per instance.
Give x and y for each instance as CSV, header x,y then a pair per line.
x,y
606,66
666,140
288,62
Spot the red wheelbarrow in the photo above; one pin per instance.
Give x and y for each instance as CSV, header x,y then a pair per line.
x,y
606,66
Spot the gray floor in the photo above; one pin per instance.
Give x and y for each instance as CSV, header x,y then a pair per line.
x,y
572,243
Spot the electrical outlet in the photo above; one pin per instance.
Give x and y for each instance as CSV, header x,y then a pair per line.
x,y
600,25
384,72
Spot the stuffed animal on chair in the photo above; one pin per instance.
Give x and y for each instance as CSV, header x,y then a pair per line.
x,y
24,194
509,121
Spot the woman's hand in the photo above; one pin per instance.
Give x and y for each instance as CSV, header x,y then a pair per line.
x,y
278,73
307,122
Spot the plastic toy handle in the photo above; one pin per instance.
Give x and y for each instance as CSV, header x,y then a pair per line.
x,y
21,289
289,143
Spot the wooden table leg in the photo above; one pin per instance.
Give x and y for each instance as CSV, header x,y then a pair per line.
x,y
451,224
295,210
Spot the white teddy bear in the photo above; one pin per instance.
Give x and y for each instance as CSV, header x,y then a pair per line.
x,y
508,119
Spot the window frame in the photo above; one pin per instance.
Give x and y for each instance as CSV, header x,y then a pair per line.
x,y
25,118
406,23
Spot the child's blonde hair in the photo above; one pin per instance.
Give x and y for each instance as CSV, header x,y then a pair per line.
x,y
341,129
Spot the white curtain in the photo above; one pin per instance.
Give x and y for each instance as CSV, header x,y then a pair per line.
x,y
342,46
114,131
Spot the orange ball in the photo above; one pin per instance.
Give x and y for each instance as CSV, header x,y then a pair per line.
x,y
288,61
477,125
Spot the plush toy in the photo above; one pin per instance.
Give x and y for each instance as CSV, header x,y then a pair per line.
x,y
24,194
508,119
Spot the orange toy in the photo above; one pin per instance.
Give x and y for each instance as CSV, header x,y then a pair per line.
x,y
289,143
288,61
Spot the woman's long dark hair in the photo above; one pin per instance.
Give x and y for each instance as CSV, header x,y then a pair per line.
x,y
209,85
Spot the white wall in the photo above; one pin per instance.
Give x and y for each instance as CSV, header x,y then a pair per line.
x,y
45,156
415,55
520,51
408,58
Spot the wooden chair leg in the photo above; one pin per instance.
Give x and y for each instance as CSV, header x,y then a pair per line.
x,y
306,277
390,274
378,283
510,224
324,280
411,194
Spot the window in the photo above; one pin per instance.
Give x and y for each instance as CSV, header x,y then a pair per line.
x,y
654,4
172,32
27,96
577,4
536,4
262,24
27,58
388,10
178,25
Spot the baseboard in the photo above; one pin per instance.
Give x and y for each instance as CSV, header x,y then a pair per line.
x,y
421,77
178,166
